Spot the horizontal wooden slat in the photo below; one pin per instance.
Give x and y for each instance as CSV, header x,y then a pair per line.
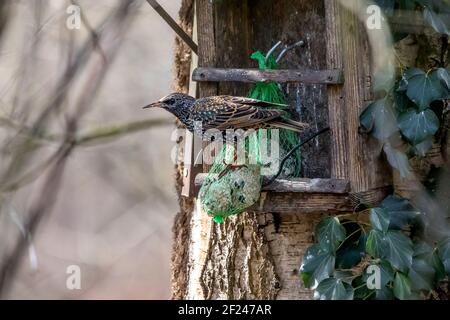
x,y
255,75
297,185
303,202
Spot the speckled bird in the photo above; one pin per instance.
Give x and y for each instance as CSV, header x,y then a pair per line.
x,y
227,112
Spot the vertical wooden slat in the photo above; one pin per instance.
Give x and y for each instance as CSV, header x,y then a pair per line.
x,y
336,102
354,154
206,54
206,43
192,144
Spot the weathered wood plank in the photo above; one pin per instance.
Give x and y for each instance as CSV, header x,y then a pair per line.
x,y
303,203
366,169
206,51
299,185
255,75
336,103
191,145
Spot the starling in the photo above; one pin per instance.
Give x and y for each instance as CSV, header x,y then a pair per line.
x,y
227,112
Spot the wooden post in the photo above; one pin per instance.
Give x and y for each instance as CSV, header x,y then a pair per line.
x,y
354,156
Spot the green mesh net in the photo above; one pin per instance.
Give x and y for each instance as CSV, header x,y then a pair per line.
x,y
234,182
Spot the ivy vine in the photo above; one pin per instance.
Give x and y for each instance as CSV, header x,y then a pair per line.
x,y
338,266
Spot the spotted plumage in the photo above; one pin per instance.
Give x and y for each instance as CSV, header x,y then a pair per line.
x,y
227,112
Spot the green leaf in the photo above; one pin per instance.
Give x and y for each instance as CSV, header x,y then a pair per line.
x,y
380,119
438,266
361,291
333,289
397,159
402,286
422,275
407,4
387,6
436,14
387,272
424,88
384,293
379,218
402,214
422,272
443,249
393,246
444,76
348,257
317,265
418,127
344,276
411,72
402,102
422,148
375,245
330,233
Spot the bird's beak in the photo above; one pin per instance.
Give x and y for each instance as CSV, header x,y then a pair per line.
x,y
154,105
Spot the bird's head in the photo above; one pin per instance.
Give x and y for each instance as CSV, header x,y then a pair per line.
x,y
175,103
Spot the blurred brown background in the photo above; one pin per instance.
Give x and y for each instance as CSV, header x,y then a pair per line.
x,y
116,203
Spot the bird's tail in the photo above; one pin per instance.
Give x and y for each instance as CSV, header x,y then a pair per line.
x,y
290,125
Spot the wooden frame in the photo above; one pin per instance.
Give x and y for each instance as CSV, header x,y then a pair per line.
x,y
357,174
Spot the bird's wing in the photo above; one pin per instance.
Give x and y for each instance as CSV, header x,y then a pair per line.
x,y
224,113
253,102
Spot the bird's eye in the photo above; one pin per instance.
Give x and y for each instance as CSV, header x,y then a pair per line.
x,y
170,101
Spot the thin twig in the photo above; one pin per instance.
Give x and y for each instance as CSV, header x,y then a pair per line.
x,y
290,153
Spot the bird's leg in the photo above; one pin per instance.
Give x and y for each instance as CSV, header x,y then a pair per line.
x,y
229,166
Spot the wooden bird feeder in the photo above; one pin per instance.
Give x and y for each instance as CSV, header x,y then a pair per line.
x,y
328,81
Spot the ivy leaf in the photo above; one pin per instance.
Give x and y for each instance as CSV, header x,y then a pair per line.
x,y
344,276
399,250
406,4
380,119
379,218
330,233
422,275
402,286
418,127
387,6
423,88
333,289
393,246
402,102
422,148
349,256
375,246
444,253
444,76
397,159
402,214
438,266
361,292
411,72
317,265
386,271
436,14
384,293
422,272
